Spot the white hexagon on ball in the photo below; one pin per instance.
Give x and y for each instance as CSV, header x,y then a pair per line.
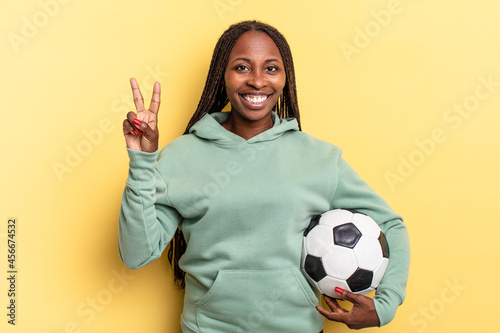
x,y
322,237
339,262
335,217
368,253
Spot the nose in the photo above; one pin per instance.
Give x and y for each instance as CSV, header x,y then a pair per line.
x,y
257,80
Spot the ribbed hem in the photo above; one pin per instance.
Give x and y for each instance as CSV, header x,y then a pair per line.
x,y
141,166
386,303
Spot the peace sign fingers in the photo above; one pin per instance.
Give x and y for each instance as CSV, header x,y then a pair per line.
x,y
139,100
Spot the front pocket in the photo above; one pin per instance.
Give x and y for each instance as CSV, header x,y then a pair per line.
x,y
259,301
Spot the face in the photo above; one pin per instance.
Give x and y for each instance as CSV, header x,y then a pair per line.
x,y
254,76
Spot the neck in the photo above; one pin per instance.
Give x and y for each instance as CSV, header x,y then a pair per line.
x,y
245,128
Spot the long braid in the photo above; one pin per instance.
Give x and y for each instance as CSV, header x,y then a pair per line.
x,y
214,99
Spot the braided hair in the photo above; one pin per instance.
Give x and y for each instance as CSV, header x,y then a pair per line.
x,y
214,99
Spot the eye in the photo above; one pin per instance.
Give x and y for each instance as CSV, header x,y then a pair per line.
x,y
241,67
272,68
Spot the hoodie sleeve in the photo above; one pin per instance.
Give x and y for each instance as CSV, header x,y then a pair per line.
x,y
147,220
353,193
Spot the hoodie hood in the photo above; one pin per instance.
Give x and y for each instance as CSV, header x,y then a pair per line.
x,y
209,128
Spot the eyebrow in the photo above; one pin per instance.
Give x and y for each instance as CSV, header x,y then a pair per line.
x,y
248,60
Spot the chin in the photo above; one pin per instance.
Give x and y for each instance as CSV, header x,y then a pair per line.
x,y
255,115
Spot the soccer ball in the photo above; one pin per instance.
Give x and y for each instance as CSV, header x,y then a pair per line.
x,y
345,249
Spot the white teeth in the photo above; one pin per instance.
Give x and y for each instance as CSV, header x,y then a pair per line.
x,y
255,99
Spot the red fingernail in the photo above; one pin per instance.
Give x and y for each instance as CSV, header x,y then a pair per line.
x,y
134,131
140,132
339,290
137,122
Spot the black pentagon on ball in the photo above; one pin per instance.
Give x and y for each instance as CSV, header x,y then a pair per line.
x,y
346,235
314,268
384,245
361,279
314,222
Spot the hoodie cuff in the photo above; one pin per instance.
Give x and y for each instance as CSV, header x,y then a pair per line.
x,y
386,303
141,166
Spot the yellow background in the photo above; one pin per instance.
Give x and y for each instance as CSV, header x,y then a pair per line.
x,y
388,103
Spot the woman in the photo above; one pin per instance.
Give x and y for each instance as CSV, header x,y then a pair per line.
x,y
242,186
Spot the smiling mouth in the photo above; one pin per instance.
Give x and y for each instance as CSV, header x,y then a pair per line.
x,y
255,99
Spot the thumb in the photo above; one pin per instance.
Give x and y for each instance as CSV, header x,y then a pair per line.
x,y
141,125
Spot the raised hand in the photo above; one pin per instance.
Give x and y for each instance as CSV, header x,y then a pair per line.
x,y
362,314
141,130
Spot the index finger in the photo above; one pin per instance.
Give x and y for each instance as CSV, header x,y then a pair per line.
x,y
336,315
155,99
136,93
